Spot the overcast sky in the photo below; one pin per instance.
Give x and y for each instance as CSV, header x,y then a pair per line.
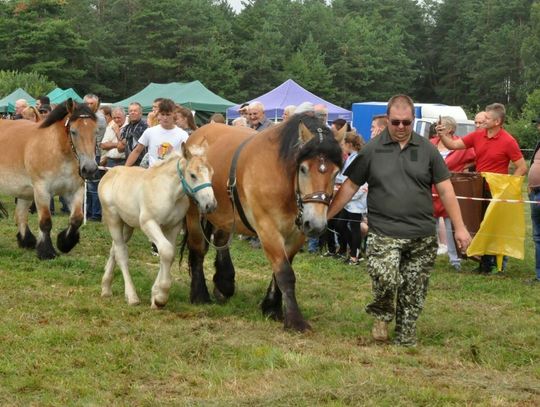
x,y
236,5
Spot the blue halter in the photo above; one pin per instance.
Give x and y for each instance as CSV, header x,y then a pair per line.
x,y
187,189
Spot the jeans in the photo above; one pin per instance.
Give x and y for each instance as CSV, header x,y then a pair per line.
x,y
313,244
450,244
535,218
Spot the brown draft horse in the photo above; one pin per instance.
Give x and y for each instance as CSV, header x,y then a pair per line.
x,y
41,160
284,179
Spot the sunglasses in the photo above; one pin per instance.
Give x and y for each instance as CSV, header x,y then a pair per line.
x,y
403,122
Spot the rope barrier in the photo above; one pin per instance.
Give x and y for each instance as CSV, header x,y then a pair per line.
x,y
468,198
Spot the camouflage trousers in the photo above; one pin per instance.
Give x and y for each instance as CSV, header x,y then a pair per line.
x,y
400,270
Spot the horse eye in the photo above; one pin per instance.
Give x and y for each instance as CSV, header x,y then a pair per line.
x,y
303,169
73,132
193,177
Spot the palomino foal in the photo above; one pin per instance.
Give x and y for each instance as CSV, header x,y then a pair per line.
x,y
156,201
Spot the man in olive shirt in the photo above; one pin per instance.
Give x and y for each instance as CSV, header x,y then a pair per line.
x,y
400,167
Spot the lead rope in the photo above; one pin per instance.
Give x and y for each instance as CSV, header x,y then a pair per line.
x,y
190,192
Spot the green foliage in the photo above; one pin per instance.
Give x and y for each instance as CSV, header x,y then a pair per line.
x,y
522,128
307,67
463,52
32,82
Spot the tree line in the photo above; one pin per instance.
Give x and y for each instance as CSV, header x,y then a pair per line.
x,y
463,52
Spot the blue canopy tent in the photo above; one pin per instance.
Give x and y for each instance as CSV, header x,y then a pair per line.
x,y
291,93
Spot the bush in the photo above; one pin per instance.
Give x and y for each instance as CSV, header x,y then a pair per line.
x,y
33,83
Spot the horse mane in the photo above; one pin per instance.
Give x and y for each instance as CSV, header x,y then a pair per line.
x,y
173,155
290,149
61,111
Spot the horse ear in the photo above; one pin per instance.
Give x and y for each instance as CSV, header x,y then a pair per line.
x,y
185,151
70,105
340,134
304,134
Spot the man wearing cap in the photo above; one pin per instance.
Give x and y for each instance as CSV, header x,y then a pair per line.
x,y
534,195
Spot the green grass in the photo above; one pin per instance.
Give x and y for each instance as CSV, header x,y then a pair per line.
x,y
62,344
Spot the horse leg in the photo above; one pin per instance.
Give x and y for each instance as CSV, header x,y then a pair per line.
x,y
285,281
197,251
44,246
272,303
69,237
224,276
106,281
116,230
25,238
165,246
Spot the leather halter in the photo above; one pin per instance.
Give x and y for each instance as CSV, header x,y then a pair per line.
x,y
321,197
187,189
68,133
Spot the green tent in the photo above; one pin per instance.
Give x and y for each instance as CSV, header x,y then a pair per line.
x,y
7,104
59,95
193,95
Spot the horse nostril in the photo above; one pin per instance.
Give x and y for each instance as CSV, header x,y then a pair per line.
x,y
307,225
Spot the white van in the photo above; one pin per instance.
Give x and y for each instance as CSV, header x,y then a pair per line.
x,y
430,112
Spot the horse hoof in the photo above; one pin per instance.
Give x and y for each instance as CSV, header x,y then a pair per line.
x,y
297,325
157,305
46,255
65,242
220,297
106,293
133,301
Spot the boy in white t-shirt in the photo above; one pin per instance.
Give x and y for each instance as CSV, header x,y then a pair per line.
x,y
160,139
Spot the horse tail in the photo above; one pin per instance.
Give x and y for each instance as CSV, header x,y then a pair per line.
x,y
183,243
3,211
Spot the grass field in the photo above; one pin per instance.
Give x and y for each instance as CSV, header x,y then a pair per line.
x,y
62,344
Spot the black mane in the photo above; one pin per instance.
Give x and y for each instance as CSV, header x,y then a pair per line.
x,y
61,111
290,149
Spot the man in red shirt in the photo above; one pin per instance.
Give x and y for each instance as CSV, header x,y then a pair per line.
x,y
495,148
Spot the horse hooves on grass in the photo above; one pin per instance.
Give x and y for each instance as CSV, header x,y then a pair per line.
x,y
46,255
272,310
28,242
220,297
65,242
297,325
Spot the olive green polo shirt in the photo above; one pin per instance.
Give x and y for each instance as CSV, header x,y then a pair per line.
x,y
399,184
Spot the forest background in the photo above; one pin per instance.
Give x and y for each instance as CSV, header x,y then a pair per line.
x,y
459,52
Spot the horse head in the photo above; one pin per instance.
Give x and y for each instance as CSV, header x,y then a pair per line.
x,y
318,162
81,129
197,176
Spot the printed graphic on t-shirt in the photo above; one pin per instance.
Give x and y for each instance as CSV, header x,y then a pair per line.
x,y
164,149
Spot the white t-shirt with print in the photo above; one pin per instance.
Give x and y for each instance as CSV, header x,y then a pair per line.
x,y
161,142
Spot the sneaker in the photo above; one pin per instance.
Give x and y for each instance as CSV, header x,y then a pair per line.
x,y
442,249
328,254
380,331
456,267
